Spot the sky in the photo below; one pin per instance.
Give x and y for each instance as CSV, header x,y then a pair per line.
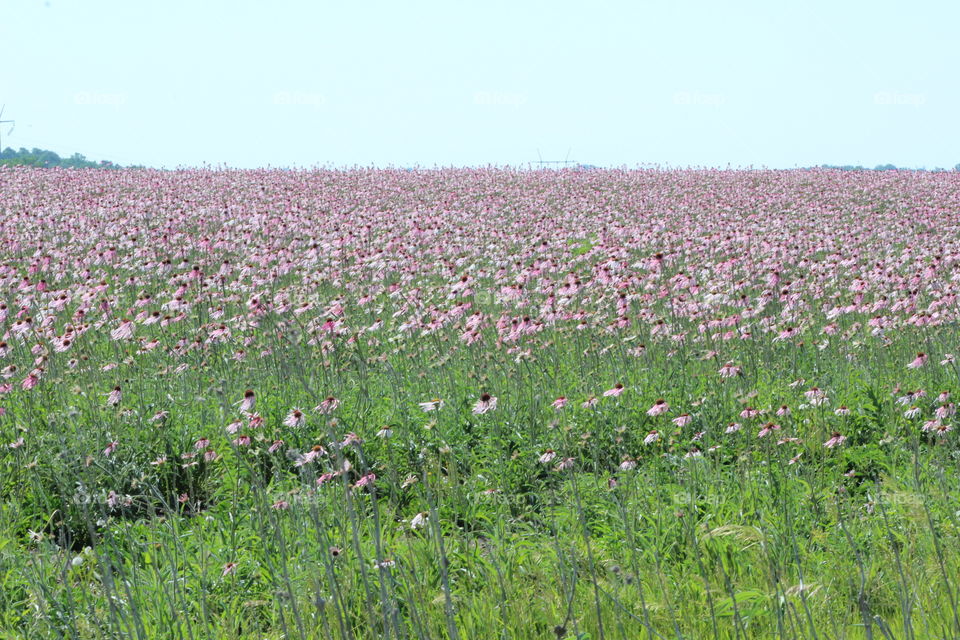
x,y
670,83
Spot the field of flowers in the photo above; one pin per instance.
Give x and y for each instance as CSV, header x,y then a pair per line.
x,y
479,404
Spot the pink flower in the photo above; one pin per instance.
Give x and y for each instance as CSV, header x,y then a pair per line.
x,y
295,419
560,403
918,362
248,402
659,407
108,451
229,568
767,428
651,437
733,427
835,440
113,399
729,370
547,457
614,392
327,406
484,404
683,420
365,481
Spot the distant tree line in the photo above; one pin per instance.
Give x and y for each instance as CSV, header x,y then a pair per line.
x,y
44,158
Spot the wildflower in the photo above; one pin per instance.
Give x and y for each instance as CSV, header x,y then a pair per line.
x,y
124,331
108,451
783,411
160,416
614,392
386,563
842,411
295,419
767,429
327,406
548,456
918,362
242,441
159,461
202,443
589,402
729,370
749,412
659,407
432,405
335,551
365,481
281,504
795,459
229,568
652,437
385,432
210,455
945,411
912,412
733,427
113,399
565,465
248,402
560,403
419,521
942,429
273,448
943,397
693,453
682,420
835,440
484,404
628,464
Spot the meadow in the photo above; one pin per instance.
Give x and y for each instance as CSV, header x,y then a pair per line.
x,y
479,403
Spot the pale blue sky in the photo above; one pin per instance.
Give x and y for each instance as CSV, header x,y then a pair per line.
x,y
667,82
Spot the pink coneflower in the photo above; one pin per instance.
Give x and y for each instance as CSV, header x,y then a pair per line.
x,y
942,429
160,416
565,465
242,441
660,406
210,455
273,448
918,362
484,404
749,412
280,505
943,397
912,412
229,568
432,405
628,464
589,402
945,411
560,403
693,453
249,401
795,459
295,419
327,406
729,370
124,331
200,444
783,411
108,451
30,381
385,432
767,429
350,439
835,440
614,392
113,398
683,420
547,457
651,437
733,427
365,481
842,411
